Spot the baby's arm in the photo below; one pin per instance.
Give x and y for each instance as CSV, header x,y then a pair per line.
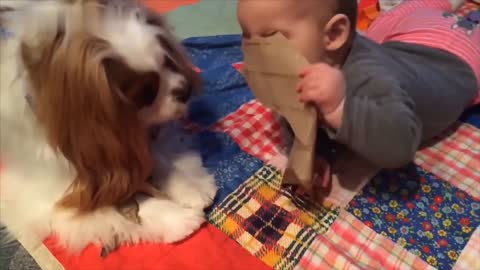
x,y
380,123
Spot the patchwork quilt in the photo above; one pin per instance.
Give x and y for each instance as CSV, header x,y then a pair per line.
x,y
423,216
426,215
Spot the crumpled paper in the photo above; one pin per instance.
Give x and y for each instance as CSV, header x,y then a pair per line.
x,y
271,68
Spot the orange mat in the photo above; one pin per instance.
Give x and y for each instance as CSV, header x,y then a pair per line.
x,y
164,6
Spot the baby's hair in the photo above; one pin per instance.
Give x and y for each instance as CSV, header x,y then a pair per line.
x,y
350,9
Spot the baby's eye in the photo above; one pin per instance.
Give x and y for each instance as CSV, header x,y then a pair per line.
x,y
287,35
269,34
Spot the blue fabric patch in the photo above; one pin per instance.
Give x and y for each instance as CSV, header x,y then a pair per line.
x,y
224,92
226,161
224,88
428,216
215,51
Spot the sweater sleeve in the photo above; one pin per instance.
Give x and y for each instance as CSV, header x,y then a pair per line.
x,y
380,123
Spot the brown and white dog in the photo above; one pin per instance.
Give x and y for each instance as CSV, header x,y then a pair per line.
x,y
83,82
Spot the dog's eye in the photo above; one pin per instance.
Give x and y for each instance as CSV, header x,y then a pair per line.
x,y
151,21
170,64
172,53
148,90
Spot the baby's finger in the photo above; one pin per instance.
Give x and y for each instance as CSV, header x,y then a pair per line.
x,y
309,70
312,69
299,87
307,96
311,83
303,84
305,71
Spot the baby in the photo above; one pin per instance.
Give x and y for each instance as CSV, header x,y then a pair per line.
x,y
383,94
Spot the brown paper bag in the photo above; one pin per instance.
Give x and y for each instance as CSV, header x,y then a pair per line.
x,y
271,69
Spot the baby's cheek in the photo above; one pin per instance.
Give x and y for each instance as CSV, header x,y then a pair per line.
x,y
308,40
310,47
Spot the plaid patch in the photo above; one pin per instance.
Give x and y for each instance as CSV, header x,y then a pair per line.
x,y
456,158
256,130
272,223
350,244
468,259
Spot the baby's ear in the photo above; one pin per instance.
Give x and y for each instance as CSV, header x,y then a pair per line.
x,y
337,32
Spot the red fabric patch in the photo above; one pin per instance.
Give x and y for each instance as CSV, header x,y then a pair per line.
x,y
238,66
255,129
208,249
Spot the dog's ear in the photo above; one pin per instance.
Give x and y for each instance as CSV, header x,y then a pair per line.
x,y
136,88
176,56
90,123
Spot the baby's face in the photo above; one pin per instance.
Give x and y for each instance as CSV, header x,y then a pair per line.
x,y
292,18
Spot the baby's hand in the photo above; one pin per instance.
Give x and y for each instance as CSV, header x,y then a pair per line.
x,y
325,87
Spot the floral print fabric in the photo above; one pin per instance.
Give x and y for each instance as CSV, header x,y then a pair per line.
x,y
427,216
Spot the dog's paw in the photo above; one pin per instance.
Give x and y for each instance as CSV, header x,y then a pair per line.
x,y
190,184
195,192
199,195
168,222
184,223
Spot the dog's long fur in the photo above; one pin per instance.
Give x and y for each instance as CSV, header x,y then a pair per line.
x,y
82,84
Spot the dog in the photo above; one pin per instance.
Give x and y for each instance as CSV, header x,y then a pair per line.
x,y
88,91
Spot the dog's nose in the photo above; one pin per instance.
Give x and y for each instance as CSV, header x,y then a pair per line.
x,y
182,94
